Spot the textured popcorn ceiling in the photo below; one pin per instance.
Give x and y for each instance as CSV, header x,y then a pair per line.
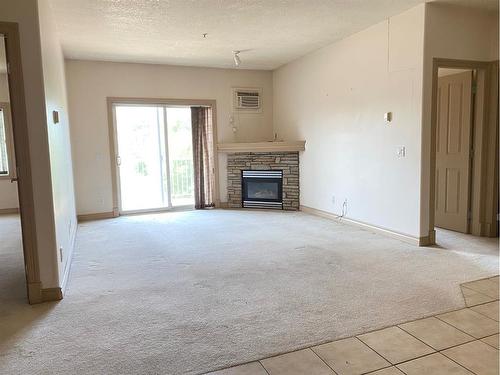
x,y
273,32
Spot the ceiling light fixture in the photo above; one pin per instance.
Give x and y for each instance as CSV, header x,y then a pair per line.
x,y
236,58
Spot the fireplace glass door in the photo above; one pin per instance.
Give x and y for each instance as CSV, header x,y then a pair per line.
x,y
262,189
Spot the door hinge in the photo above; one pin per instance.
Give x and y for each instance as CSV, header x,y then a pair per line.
x,y
118,161
8,68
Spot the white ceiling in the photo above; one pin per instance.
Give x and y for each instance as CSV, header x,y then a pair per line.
x,y
273,32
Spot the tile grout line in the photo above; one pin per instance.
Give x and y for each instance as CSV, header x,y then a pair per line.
x,y
233,366
403,371
482,303
484,278
441,351
385,368
411,359
477,291
449,347
322,360
411,321
391,364
479,312
436,351
451,359
262,365
476,338
490,300
241,364
490,344
369,347
444,355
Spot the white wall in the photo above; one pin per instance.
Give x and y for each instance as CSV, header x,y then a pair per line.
x,y
8,190
50,152
335,99
59,138
455,33
89,83
25,13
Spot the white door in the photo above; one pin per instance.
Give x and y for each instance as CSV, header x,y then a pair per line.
x,y
453,143
153,157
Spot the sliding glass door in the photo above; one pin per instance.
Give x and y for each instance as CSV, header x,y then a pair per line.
x,y
154,157
180,151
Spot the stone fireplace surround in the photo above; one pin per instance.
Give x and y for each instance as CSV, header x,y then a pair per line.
x,y
287,161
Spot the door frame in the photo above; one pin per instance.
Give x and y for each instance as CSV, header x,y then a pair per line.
x,y
113,146
464,189
10,30
483,125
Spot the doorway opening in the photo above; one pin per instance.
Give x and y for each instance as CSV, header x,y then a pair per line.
x,y
464,149
154,157
12,274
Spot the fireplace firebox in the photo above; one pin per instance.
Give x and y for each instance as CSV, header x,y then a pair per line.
x,y
262,189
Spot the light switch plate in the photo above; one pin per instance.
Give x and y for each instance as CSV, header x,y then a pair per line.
x,y
55,117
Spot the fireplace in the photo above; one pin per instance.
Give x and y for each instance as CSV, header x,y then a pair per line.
x,y
262,189
283,166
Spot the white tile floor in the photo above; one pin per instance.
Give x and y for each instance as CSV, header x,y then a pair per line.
x,y
460,342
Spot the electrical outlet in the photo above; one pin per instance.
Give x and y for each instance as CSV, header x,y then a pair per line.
x,y
388,116
333,199
401,151
61,253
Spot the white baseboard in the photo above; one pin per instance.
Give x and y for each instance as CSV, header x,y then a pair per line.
x,y
69,261
386,232
97,216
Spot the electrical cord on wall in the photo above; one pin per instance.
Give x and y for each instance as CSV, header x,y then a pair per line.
x,y
344,210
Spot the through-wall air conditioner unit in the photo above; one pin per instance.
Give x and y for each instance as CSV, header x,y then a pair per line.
x,y
247,100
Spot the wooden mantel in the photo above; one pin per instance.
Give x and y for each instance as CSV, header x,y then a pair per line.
x,y
287,146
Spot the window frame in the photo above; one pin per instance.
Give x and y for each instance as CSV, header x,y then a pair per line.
x,y
9,139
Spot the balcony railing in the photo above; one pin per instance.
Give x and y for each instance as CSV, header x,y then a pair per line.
x,y
182,178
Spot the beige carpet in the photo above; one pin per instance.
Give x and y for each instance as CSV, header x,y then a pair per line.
x,y
191,292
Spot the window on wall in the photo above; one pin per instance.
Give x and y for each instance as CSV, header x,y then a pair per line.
x,y
6,144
